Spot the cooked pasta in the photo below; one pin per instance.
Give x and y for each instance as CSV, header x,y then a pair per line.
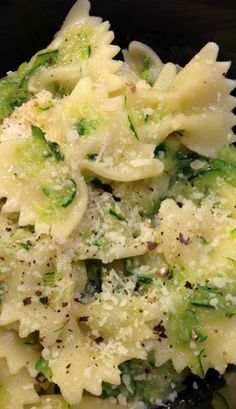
x,y
118,224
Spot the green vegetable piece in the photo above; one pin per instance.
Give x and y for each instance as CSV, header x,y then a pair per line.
x,y
92,156
231,261
2,292
219,401
219,170
143,116
43,367
77,45
228,154
146,382
26,245
43,300
60,198
54,148
86,126
233,233
49,279
132,127
47,190
81,127
129,264
184,327
201,337
46,108
6,398
70,195
199,368
203,240
116,214
11,95
96,274
45,59
56,198
145,73
38,134
144,280
179,132
89,50
203,295
131,123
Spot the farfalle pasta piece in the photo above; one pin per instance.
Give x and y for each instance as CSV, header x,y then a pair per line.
x,y
111,339
202,89
16,390
79,363
143,61
82,48
109,231
199,226
38,295
18,353
102,122
39,184
214,352
195,105
122,318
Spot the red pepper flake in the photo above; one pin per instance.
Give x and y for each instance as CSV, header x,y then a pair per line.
x,y
27,301
151,245
38,293
184,239
68,366
131,85
99,340
188,285
160,330
83,319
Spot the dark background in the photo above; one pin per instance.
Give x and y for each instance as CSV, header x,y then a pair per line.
x,y
175,29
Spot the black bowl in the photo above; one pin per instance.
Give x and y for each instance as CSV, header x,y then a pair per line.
x,y
176,30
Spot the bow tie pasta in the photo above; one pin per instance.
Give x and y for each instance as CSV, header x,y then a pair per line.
x,y
117,225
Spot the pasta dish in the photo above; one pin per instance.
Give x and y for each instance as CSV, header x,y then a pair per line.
x,y
118,225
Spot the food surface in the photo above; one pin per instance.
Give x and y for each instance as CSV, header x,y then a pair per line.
x,y
118,225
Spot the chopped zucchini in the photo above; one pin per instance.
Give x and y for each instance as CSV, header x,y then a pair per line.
x,y
183,326
5,397
33,153
228,154
130,120
26,245
117,214
146,73
143,381
219,401
49,279
87,125
43,367
58,198
43,59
